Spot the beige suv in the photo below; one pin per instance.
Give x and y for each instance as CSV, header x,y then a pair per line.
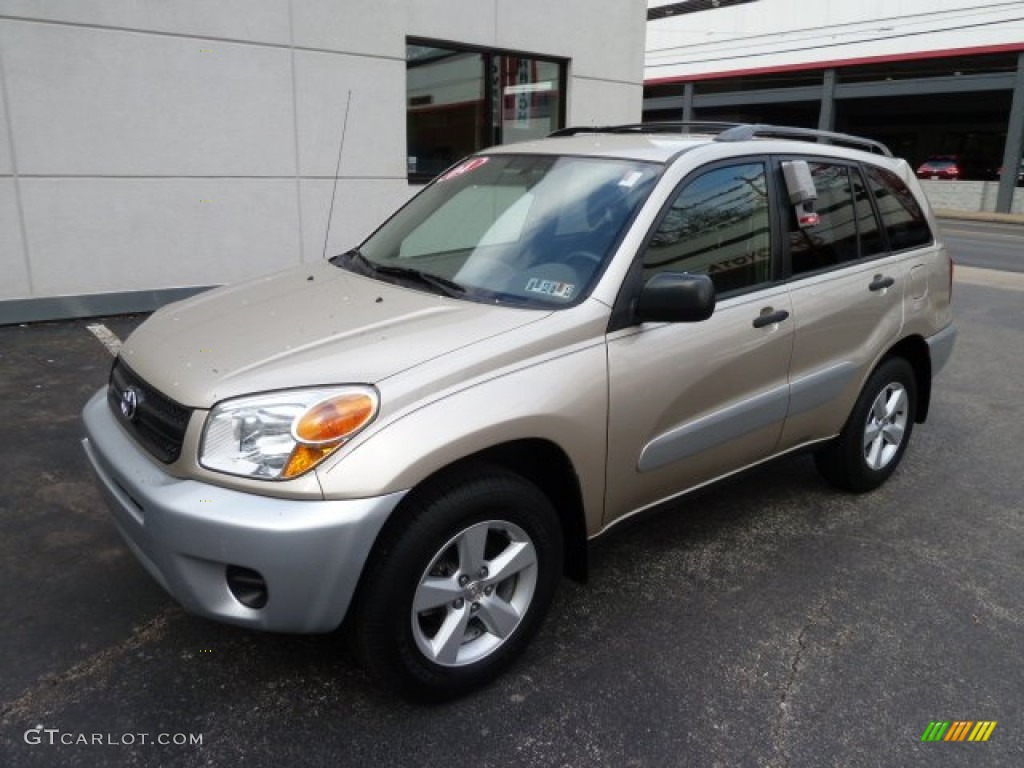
x,y
420,436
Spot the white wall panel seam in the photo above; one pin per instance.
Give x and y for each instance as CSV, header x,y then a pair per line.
x,y
14,175
295,135
193,36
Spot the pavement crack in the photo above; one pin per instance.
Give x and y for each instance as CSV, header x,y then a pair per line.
x,y
94,667
802,643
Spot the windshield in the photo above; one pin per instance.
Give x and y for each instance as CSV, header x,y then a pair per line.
x,y
528,230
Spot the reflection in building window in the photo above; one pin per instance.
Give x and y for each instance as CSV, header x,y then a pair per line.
x,y
461,100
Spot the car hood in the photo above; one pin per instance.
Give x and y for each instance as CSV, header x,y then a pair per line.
x,y
311,325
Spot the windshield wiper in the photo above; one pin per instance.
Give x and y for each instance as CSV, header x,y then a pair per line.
x,y
442,284
438,283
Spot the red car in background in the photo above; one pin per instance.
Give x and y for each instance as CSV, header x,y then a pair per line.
x,y
944,167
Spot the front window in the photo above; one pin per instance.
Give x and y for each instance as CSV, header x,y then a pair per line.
x,y
526,230
717,225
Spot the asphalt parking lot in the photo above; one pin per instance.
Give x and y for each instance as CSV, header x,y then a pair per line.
x,y
769,621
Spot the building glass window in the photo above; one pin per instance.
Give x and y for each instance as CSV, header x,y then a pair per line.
x,y
460,100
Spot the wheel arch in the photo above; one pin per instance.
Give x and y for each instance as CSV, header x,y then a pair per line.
x,y
545,464
539,461
914,349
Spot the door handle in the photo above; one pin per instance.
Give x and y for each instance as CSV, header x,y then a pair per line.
x,y
881,283
768,317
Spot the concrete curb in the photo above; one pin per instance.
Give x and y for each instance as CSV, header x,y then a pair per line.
x,y
990,278
995,218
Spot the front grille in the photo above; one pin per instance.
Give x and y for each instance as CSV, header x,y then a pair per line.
x,y
158,423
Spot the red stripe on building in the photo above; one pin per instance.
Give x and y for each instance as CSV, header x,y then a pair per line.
x,y
940,54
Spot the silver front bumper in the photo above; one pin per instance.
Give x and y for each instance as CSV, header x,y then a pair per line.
x,y
186,533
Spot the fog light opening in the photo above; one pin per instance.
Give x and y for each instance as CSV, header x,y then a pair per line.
x,y
247,586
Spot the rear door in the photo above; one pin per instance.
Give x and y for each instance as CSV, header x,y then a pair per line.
x,y
689,402
847,289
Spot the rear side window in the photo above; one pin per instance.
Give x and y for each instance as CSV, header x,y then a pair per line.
x,y
902,217
717,225
847,228
833,240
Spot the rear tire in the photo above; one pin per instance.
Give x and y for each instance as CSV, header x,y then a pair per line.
x,y
458,584
875,437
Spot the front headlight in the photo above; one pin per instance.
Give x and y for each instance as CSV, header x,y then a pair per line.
x,y
280,435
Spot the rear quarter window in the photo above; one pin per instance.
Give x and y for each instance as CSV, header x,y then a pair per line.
x,y
902,217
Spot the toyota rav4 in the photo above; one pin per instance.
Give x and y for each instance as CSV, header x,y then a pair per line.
x,y
420,436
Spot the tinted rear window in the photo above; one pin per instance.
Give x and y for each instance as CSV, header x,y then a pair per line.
x,y
902,217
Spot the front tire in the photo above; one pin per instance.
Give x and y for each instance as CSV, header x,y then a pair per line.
x,y
875,437
459,583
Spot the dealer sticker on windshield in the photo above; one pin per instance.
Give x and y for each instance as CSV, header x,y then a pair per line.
x,y
551,288
466,167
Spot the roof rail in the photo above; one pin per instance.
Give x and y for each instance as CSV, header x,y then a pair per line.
x,y
660,127
747,132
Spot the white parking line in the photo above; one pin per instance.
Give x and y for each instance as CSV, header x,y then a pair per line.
x,y
107,337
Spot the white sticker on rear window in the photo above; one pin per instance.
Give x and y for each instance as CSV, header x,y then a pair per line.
x,y
631,179
551,288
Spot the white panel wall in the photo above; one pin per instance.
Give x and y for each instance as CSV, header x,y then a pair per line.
x,y
602,36
263,21
105,102
350,26
464,21
594,102
13,270
6,168
375,131
134,234
360,206
783,33
169,144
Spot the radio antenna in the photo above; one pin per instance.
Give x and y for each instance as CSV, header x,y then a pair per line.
x,y
337,170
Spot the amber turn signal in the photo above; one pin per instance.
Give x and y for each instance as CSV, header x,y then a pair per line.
x,y
306,457
334,419
323,428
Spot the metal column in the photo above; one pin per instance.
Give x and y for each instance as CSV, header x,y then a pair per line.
x,y
827,115
1014,143
688,102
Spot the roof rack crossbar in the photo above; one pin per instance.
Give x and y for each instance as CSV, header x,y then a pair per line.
x,y
747,132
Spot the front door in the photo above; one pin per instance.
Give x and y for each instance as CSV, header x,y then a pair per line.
x,y
689,402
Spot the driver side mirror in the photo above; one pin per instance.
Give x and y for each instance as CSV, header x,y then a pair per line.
x,y
676,297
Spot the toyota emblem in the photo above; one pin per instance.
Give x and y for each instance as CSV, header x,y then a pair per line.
x,y
129,403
